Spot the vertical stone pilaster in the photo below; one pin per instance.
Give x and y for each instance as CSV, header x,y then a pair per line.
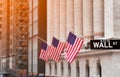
x,y
78,17
116,15
59,69
70,15
65,64
98,6
108,18
106,67
50,20
47,72
93,67
82,68
56,19
73,69
88,19
52,69
63,20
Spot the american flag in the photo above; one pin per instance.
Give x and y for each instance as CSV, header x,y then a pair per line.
x,y
43,53
56,49
73,46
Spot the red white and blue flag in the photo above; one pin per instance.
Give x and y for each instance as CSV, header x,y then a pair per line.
x,y
73,46
56,49
43,53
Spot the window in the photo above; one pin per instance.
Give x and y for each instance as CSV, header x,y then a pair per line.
x,y
87,69
77,69
35,28
0,18
35,3
99,69
0,4
30,31
55,68
0,11
69,70
3,66
11,3
0,26
30,5
35,14
0,35
50,68
62,71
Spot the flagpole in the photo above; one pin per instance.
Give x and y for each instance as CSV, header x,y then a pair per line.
x,y
42,39
46,41
82,37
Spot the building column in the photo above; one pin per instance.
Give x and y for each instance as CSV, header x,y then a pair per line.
x,y
56,18
63,20
82,66
30,63
47,72
78,17
93,68
73,69
70,16
50,20
109,18
98,6
59,68
35,52
88,19
52,69
106,67
65,64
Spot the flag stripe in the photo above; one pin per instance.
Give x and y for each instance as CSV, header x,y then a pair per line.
x,y
72,50
58,51
76,50
43,55
51,50
72,56
75,47
55,52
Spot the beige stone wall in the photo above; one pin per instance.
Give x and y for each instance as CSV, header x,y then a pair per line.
x,y
93,19
107,60
98,18
116,4
85,18
56,18
88,19
78,17
63,20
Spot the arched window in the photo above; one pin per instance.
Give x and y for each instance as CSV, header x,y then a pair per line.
x,y
50,68
62,71
77,69
55,68
87,69
69,70
99,69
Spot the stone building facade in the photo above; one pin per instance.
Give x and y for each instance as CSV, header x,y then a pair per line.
x,y
91,19
37,33
4,33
